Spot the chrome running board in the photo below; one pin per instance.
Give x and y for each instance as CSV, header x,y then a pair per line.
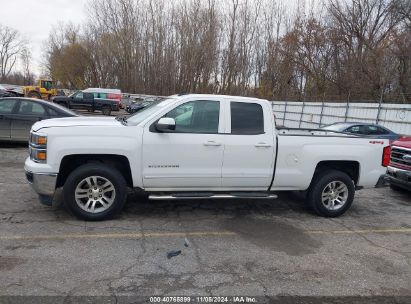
x,y
192,196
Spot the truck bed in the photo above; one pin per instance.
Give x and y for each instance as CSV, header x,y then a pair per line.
x,y
314,132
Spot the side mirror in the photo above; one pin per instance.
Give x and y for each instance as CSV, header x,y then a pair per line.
x,y
166,124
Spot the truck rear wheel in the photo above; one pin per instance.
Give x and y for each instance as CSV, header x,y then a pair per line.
x,y
331,193
106,111
95,192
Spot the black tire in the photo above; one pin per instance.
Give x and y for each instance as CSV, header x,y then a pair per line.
x,y
106,110
319,184
95,169
34,94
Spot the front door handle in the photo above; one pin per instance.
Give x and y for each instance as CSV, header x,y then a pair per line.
x,y
263,145
212,143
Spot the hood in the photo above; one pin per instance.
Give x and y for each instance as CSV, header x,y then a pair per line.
x,y
60,98
404,141
77,122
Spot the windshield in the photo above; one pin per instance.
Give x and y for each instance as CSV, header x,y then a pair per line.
x,y
146,112
72,94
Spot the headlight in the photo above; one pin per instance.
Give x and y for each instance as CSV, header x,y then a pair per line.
x,y
38,148
38,140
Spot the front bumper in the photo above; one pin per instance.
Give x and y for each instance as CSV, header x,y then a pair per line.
x,y
44,184
383,181
399,177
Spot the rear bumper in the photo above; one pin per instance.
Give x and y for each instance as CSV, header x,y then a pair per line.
x,y
44,184
399,177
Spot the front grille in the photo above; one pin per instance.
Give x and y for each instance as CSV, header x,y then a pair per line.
x,y
397,156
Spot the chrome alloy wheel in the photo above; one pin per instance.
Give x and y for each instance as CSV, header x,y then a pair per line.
x,y
95,194
334,195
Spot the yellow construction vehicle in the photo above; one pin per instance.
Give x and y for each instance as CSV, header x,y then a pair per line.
x,y
43,90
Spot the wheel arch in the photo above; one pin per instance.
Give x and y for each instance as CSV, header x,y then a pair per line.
x,y
351,168
71,162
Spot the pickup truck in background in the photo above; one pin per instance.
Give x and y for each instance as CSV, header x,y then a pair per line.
x,y
87,101
198,147
399,169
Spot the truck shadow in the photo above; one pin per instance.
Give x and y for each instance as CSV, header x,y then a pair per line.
x,y
287,202
13,145
265,224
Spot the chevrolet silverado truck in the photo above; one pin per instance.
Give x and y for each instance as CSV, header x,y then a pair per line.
x,y
399,169
198,147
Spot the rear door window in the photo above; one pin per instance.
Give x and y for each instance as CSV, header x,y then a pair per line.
x,y
375,130
53,112
355,130
246,118
31,108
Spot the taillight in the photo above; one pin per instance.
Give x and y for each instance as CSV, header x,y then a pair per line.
x,y
114,96
386,154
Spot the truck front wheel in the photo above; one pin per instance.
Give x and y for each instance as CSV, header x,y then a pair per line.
x,y
331,193
95,192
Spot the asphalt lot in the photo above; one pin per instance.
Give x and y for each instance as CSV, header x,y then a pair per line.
x,y
229,247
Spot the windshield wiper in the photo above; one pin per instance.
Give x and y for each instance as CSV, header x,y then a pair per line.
x,y
122,119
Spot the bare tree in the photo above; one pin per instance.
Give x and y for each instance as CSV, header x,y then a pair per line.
x,y
11,46
247,47
26,59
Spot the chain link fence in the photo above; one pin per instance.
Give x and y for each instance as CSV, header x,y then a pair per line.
x,y
292,114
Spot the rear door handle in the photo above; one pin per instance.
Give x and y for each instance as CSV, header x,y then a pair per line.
x,y
263,145
212,143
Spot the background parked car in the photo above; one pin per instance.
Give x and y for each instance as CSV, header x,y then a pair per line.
x,y
137,106
13,90
18,114
88,101
358,128
3,92
127,100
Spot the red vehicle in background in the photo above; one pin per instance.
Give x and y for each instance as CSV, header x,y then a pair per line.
x,y
399,168
111,94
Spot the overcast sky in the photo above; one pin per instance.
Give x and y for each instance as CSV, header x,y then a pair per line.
x,y
34,19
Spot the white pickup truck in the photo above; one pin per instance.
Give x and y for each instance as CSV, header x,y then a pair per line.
x,y
198,146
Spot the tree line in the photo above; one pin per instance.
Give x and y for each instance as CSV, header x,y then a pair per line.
x,y
335,49
14,49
